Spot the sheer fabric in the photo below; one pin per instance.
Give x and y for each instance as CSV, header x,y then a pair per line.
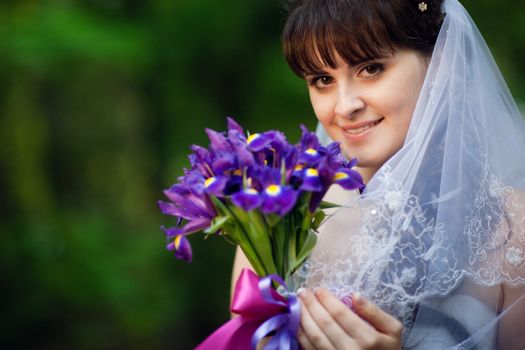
x,y
438,237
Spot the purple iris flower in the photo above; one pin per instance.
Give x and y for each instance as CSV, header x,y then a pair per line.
x,y
239,147
311,180
326,168
334,149
349,179
233,125
274,197
310,150
233,185
262,177
179,244
223,161
215,185
257,142
186,204
218,141
194,208
279,142
309,139
278,199
200,160
247,199
193,179
260,172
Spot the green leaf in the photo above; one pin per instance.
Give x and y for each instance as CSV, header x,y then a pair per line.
x,y
257,236
306,249
291,251
272,219
328,205
318,219
217,223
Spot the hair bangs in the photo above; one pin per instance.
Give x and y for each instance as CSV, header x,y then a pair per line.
x,y
314,38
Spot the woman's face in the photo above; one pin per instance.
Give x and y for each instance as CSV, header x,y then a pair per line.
x,y
368,107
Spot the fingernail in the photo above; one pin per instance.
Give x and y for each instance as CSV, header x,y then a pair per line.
x,y
301,292
347,300
358,299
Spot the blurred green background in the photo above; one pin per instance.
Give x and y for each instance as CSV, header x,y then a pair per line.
x,y
99,101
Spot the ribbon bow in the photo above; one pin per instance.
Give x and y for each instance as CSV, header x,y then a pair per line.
x,y
262,312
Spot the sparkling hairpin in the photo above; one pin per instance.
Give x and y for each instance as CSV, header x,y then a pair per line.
x,y
423,6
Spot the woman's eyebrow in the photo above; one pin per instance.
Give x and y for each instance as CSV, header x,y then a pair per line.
x,y
314,73
368,60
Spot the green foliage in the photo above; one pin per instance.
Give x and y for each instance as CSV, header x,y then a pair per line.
x,y
99,102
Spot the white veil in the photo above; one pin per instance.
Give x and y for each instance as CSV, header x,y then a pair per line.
x,y
438,237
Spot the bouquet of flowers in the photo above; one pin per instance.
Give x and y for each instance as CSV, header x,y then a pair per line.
x,y
265,195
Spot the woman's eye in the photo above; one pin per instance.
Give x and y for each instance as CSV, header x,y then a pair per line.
x,y
321,81
372,70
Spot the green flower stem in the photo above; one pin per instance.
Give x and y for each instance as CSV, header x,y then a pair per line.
x,y
305,228
278,241
250,253
238,231
305,249
291,246
285,235
259,236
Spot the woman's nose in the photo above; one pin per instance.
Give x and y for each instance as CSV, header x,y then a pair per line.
x,y
348,102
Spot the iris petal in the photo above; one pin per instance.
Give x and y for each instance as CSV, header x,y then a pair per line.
x,y
223,161
181,247
311,181
278,200
215,185
248,199
349,179
218,141
257,142
233,125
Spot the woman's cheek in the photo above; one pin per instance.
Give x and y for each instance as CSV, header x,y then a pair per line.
x,y
323,111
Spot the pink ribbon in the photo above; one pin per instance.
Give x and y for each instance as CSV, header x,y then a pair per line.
x,y
261,311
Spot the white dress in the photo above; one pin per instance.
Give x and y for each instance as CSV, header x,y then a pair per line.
x,y
456,326
448,323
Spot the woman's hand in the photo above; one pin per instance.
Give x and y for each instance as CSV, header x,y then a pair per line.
x,y
327,323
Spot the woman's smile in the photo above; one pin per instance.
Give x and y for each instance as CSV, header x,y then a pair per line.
x,y
357,132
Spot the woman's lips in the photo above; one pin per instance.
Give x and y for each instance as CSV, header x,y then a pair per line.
x,y
358,131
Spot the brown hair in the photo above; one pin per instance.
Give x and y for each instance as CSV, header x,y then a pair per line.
x,y
316,31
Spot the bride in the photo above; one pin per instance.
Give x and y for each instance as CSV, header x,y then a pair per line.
x,y
432,254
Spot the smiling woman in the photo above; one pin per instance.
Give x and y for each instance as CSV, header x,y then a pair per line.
x,y
360,70
368,107
432,253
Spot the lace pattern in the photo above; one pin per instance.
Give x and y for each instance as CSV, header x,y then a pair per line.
x,y
399,254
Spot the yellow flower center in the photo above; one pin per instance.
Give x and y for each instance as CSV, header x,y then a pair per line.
x,y
299,167
311,152
252,137
340,176
237,172
273,190
177,241
252,191
209,181
312,172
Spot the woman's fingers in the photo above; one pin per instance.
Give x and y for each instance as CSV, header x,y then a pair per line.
x,y
304,341
379,319
351,323
328,328
327,323
368,327
311,330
